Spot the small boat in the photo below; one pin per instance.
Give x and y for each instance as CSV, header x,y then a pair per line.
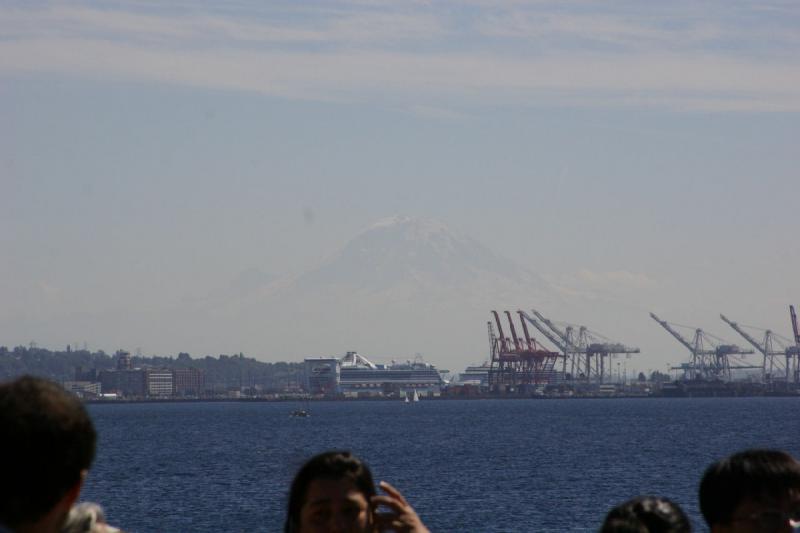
x,y
305,412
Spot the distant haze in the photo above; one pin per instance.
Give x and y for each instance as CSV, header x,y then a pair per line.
x,y
287,180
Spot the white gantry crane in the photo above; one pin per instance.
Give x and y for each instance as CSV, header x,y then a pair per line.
x,y
710,357
587,351
777,351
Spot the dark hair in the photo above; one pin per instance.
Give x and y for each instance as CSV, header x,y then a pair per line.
x,y
333,465
47,439
759,475
646,514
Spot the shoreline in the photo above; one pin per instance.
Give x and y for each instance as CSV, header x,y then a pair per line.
x,y
438,398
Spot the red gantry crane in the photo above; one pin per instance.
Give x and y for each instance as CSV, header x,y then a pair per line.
x,y
518,363
558,342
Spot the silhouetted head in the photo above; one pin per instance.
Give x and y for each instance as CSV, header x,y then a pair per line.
x,y
646,514
48,443
754,490
331,493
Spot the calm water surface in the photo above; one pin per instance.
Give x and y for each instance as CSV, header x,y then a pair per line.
x,y
493,465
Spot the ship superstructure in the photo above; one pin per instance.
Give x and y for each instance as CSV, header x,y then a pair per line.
x,y
355,375
477,375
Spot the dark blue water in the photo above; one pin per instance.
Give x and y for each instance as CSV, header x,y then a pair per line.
x,y
506,465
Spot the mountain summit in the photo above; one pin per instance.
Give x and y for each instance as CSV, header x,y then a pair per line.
x,y
401,286
422,252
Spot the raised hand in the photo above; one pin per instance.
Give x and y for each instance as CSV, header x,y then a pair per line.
x,y
401,517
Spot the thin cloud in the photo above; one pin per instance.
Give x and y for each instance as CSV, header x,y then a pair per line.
x,y
329,27
553,29
402,58
733,30
436,112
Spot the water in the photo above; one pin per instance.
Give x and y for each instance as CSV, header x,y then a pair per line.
x,y
493,465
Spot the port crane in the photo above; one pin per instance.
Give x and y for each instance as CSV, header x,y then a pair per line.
x,y
772,364
557,341
586,350
515,361
707,363
570,344
796,350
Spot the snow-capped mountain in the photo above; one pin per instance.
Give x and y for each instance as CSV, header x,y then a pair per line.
x,y
421,252
402,286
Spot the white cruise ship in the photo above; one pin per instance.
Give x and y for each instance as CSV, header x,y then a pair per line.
x,y
355,375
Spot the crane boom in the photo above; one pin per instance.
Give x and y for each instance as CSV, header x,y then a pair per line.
x,y
544,331
748,338
794,326
674,333
513,331
503,345
530,343
557,331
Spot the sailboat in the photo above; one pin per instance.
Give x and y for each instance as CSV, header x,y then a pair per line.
x,y
405,398
415,396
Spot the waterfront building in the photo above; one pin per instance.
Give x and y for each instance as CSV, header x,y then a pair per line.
x,y
159,382
126,383
188,382
322,375
83,389
85,375
124,361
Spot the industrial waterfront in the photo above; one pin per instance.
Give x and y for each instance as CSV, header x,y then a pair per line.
x,y
530,357
582,364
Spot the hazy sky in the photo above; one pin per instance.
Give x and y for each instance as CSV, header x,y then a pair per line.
x,y
150,152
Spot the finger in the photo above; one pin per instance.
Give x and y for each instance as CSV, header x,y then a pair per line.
x,y
388,522
392,491
390,502
383,525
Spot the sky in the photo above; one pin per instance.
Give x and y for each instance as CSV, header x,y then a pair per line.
x,y
152,152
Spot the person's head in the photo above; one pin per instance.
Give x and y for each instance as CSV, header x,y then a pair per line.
x,y
331,493
754,490
646,514
48,444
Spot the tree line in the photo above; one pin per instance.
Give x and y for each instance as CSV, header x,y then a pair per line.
x,y
223,372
